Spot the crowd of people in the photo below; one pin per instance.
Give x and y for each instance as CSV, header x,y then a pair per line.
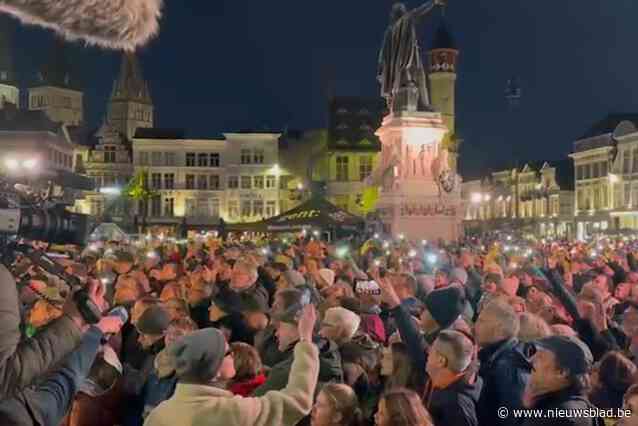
x,y
284,331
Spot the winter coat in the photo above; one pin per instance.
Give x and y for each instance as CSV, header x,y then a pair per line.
x,y
457,404
160,385
562,400
47,403
505,370
330,368
267,346
133,383
209,406
23,361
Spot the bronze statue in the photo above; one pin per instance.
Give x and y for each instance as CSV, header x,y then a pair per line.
x,y
400,64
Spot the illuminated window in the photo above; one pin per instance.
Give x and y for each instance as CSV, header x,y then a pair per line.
x,y
190,159
245,156
202,182
365,167
258,156
190,181
246,182
258,208
233,182
156,181
270,208
245,208
109,154
342,169
233,209
214,182
169,207
169,181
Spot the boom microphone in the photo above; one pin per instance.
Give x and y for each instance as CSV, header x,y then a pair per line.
x,y
113,24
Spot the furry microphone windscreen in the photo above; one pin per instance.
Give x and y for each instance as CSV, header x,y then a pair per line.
x,y
113,24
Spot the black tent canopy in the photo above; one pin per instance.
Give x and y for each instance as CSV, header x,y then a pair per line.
x,y
314,213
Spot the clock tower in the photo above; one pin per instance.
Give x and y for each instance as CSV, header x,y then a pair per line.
x,y
443,57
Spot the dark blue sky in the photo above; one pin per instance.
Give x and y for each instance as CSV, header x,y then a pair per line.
x,y
223,65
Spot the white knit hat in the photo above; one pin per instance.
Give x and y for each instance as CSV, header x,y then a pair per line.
x,y
341,317
328,275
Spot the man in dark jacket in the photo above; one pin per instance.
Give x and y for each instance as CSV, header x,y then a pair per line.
x,y
560,381
454,391
505,367
330,366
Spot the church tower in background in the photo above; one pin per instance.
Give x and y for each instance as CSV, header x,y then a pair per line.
x,y
130,106
56,91
443,57
9,91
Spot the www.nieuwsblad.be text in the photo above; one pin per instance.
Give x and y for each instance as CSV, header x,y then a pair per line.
x,y
559,413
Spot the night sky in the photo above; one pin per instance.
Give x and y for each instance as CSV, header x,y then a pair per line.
x,y
224,65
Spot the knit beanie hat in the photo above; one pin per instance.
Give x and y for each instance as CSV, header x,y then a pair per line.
x,y
294,278
153,321
459,274
328,275
445,305
342,317
197,356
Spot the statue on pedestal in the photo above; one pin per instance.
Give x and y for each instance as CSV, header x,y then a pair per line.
x,y
401,71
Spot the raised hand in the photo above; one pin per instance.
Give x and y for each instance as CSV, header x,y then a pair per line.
x,y
307,322
110,324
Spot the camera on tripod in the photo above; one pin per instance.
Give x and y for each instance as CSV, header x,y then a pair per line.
x,y
37,210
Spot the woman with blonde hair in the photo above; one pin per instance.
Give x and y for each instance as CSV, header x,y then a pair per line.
x,y
402,407
336,405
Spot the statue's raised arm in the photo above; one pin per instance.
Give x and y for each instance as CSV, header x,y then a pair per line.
x,y
424,9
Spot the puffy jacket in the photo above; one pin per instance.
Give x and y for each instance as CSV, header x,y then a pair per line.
x,y
505,370
23,361
330,368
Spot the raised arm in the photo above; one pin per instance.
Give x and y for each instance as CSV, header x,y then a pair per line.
x,y
424,9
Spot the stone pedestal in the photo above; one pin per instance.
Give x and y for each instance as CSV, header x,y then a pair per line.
x,y
410,202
